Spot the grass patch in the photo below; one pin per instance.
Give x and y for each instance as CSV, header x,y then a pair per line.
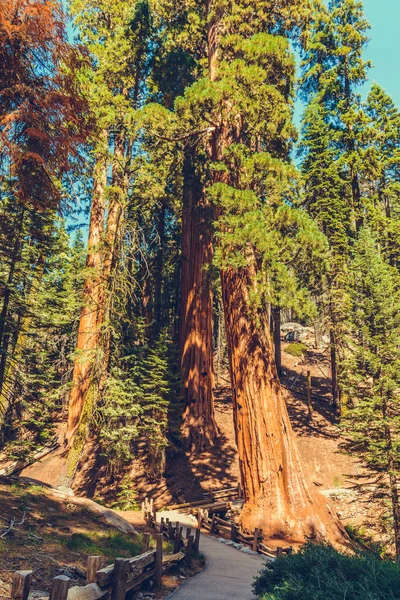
x,y
109,544
318,572
296,349
361,536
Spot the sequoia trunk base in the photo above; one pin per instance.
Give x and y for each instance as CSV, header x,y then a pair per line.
x,y
278,496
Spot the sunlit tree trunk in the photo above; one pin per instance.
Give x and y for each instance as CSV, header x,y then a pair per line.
x,y
93,306
199,429
278,496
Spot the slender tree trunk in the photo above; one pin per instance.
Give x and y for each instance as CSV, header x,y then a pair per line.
x,y
158,274
93,306
393,483
11,369
334,370
4,335
196,341
276,316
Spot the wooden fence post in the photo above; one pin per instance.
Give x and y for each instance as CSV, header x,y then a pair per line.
x,y
120,578
213,523
197,540
189,551
158,565
146,542
255,540
162,525
177,542
93,565
59,588
199,518
239,490
188,532
21,585
233,532
279,551
309,402
170,531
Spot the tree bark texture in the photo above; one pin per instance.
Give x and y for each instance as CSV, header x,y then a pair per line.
x,y
278,497
199,428
93,306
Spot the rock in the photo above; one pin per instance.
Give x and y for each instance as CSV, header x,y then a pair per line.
x,y
247,550
65,490
229,543
238,546
222,540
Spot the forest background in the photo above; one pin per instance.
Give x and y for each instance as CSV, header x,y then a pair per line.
x,y
176,123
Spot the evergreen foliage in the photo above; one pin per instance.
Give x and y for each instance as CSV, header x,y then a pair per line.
x,y
319,572
138,399
372,420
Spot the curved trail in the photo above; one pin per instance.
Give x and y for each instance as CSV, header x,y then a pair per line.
x,y
228,574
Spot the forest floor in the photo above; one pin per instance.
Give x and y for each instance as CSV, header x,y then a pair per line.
x,y
52,536
338,476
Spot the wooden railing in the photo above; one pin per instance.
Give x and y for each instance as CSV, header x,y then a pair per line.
x,y
115,580
230,530
210,497
211,515
173,532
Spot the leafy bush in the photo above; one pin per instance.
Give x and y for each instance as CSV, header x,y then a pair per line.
x,y
296,349
319,572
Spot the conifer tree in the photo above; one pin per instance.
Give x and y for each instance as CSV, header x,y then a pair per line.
x,y
39,116
332,146
372,421
381,169
199,429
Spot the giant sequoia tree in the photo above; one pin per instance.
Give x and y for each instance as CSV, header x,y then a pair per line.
x,y
244,102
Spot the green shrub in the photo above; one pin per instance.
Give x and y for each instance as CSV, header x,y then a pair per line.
x,y
296,349
126,497
318,572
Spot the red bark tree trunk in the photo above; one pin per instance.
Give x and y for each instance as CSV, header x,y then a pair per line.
x,y
199,428
278,495
93,308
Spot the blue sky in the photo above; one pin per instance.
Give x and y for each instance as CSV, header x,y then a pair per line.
x,y
384,48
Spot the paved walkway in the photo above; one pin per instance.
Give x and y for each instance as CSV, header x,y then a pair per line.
x,y
228,575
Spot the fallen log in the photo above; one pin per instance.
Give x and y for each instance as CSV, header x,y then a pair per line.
x,y
108,515
88,592
18,465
